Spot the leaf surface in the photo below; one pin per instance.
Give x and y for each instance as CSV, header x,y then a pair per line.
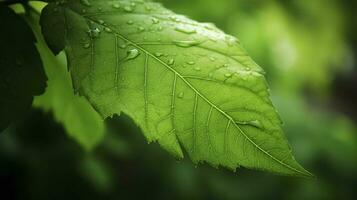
x,y
186,84
21,72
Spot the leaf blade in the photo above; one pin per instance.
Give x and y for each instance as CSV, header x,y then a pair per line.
x,y
204,69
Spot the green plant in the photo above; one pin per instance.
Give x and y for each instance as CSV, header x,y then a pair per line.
x,y
187,85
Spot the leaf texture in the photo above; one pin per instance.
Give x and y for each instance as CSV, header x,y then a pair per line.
x,y
186,84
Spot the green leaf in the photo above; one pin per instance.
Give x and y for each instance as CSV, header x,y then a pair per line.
x,y
186,84
76,114
21,72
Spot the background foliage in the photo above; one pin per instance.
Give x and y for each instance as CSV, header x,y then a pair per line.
x,y
309,57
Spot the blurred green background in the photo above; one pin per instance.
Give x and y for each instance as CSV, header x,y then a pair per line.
x,y
309,51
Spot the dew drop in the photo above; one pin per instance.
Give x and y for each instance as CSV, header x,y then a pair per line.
x,y
212,59
197,68
123,46
130,22
171,61
247,68
140,28
186,30
148,8
158,54
85,2
228,75
132,54
116,5
86,45
180,95
186,44
108,30
100,21
191,62
128,9
93,33
155,20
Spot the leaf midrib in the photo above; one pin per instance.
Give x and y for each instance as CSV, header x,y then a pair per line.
x,y
114,31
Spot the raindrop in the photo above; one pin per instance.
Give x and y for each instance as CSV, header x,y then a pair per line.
x,y
148,8
86,45
212,59
197,69
130,22
93,33
186,30
188,43
158,54
141,28
116,5
171,61
108,30
85,2
247,68
123,46
180,95
191,62
132,54
128,9
228,75
100,21
155,20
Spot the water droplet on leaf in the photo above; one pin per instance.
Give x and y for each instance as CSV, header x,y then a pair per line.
x,y
180,95
186,30
128,9
171,61
188,43
132,54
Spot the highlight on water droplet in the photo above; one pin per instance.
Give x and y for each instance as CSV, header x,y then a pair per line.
x,y
132,54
